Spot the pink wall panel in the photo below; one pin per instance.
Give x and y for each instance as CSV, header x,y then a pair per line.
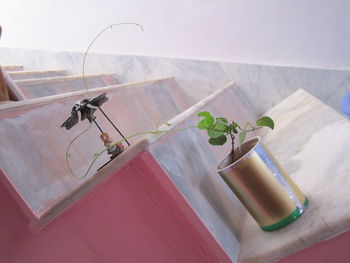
x,y
129,218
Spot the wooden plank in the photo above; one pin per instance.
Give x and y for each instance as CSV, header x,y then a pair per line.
x,y
40,87
4,94
17,75
15,92
13,67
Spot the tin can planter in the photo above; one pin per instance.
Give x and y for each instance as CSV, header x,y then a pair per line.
x,y
263,187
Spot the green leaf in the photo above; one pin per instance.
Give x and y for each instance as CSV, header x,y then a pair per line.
x,y
242,136
218,129
228,129
204,114
213,133
265,121
96,155
206,123
221,120
220,126
218,141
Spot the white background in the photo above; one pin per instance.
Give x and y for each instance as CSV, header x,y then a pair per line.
x,y
311,33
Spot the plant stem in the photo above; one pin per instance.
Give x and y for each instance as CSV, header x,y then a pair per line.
x,y
124,139
93,41
232,154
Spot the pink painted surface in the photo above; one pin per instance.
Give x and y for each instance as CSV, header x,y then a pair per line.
x,y
335,250
136,215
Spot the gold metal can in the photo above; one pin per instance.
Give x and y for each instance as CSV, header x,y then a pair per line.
x,y
264,188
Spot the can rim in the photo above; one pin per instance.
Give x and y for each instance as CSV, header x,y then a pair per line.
x,y
222,165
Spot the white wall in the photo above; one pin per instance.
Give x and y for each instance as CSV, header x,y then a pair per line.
x,y
313,33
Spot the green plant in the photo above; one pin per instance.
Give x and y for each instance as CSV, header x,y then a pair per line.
x,y
219,128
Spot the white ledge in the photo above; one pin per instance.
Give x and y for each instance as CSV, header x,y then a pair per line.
x,y
312,142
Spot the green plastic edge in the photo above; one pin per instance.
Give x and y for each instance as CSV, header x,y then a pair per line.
x,y
289,219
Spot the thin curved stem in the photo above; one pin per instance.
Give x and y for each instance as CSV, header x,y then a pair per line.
x,y
93,41
69,146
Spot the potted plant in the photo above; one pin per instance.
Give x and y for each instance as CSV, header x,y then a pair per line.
x,y
259,182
